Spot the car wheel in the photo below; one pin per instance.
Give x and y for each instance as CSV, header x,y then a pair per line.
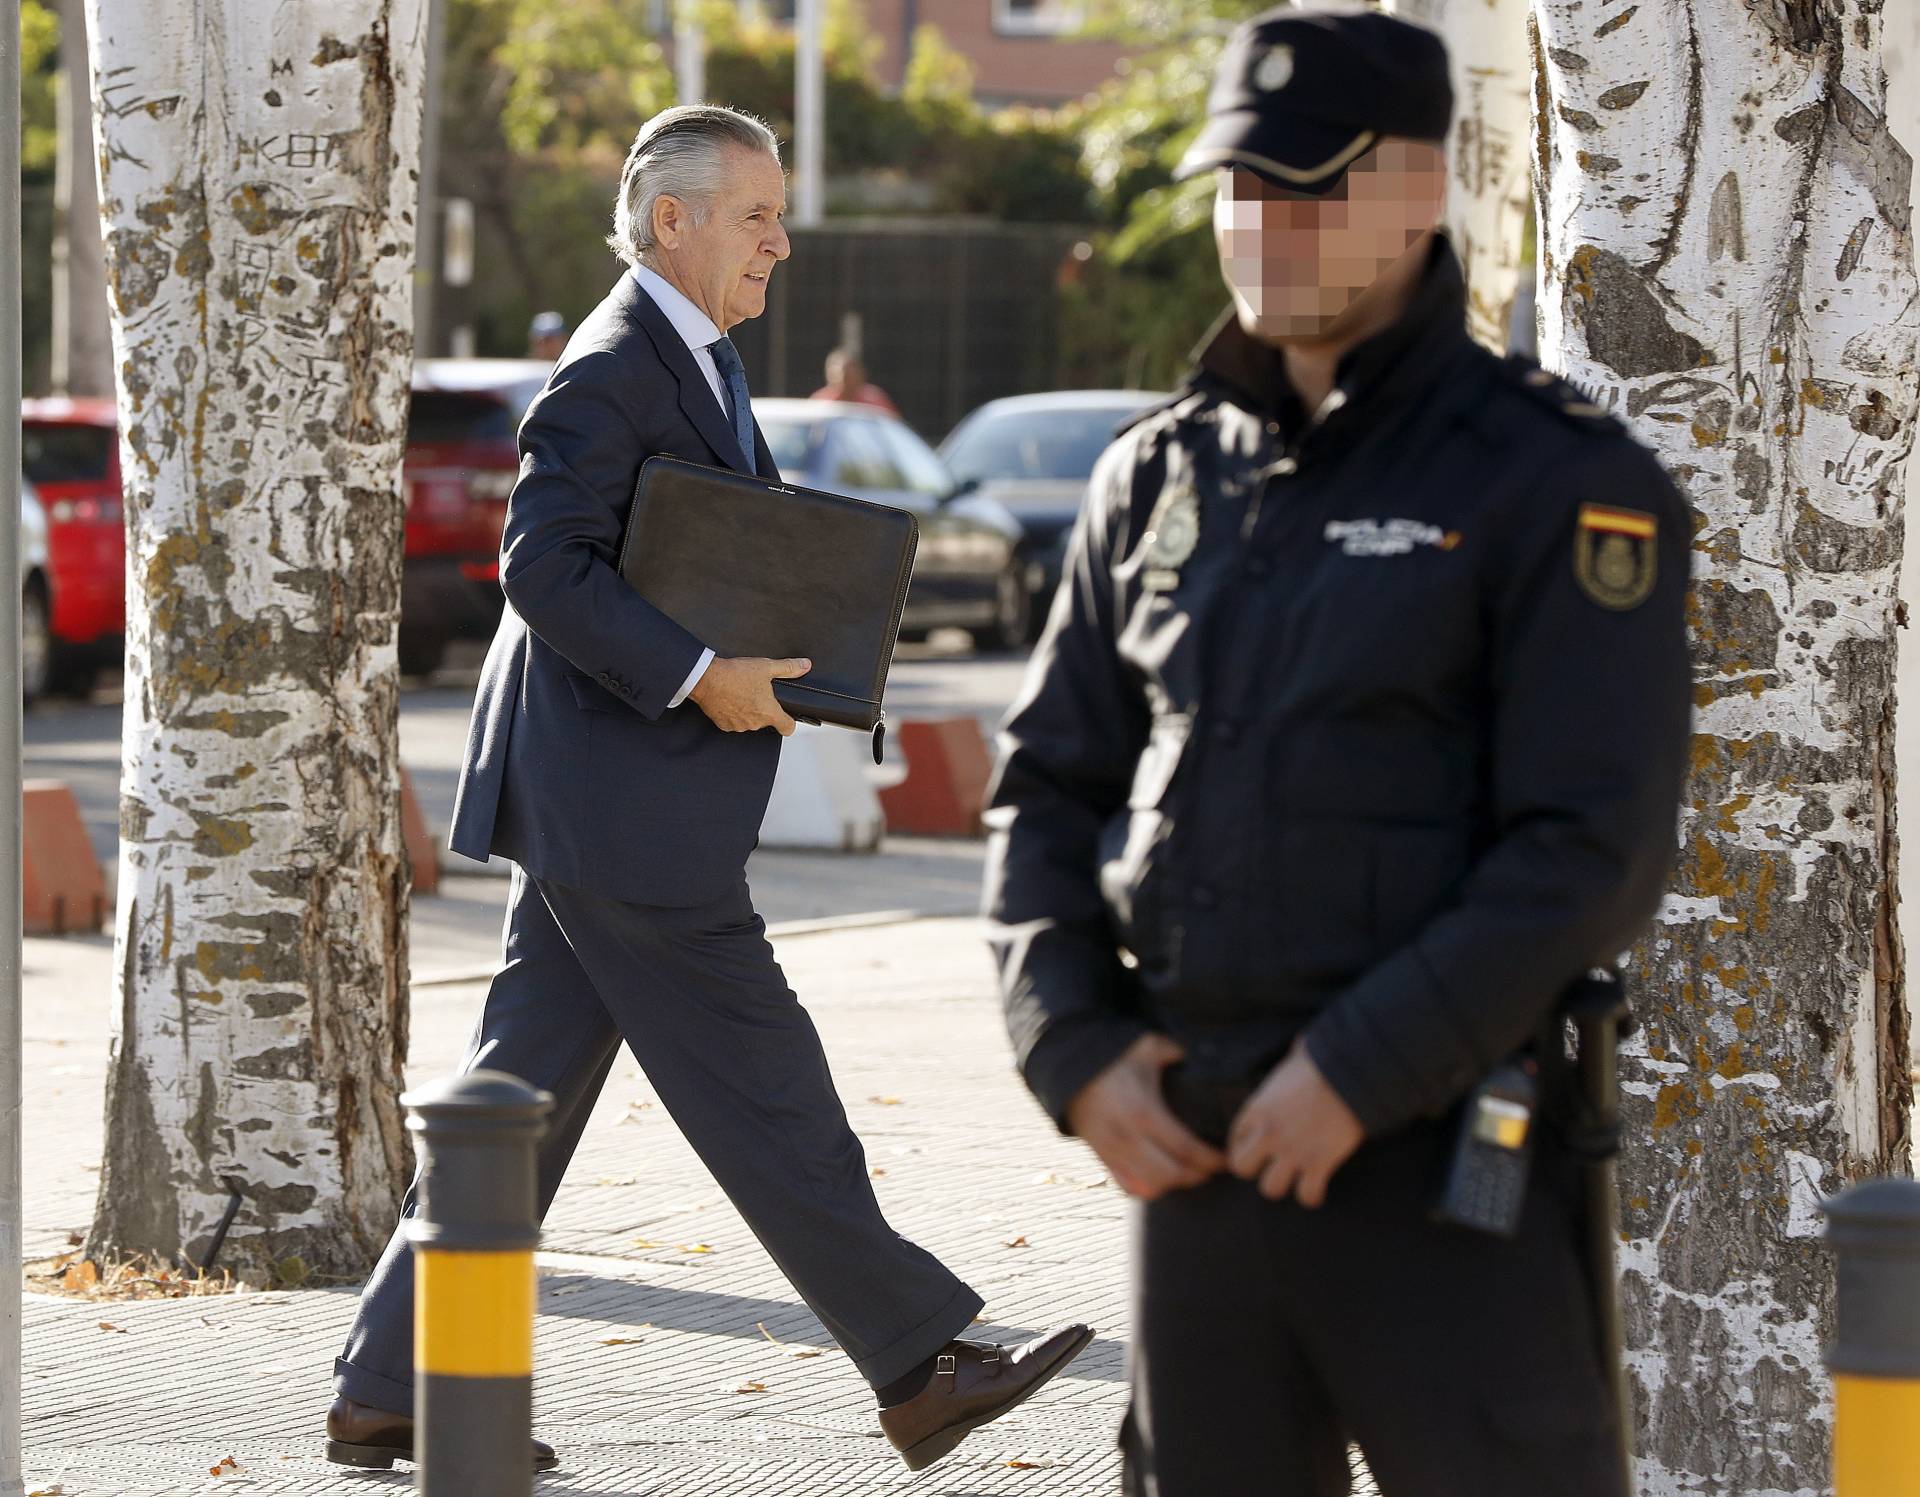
x,y
420,652
1012,609
71,672
36,640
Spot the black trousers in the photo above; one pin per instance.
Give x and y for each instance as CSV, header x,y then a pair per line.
x,y
698,997
1267,1336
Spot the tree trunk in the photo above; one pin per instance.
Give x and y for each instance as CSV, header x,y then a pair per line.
x,y
82,347
1487,153
257,188
1726,262
1902,47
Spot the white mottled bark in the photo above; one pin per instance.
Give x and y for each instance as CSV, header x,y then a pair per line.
x,y
257,186
1488,152
1901,45
1727,261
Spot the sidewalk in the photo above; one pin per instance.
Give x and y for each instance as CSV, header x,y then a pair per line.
x,y
642,1251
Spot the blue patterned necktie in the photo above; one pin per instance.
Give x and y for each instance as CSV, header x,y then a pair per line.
x,y
726,358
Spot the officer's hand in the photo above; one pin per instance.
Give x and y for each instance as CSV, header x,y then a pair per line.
x,y
1293,1133
738,694
1124,1119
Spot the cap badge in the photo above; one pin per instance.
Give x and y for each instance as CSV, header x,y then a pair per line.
x,y
1274,69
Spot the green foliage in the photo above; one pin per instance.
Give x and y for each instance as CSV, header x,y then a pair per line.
x,y
39,87
579,75
938,84
1153,286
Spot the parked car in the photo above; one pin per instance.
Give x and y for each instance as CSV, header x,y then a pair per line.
x,y
36,601
1034,454
460,467
70,450
970,571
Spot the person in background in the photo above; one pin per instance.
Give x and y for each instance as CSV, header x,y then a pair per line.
x,y
847,381
547,336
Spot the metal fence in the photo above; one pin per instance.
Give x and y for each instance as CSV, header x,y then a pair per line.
x,y
953,312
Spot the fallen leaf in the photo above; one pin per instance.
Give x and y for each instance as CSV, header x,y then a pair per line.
x,y
621,1340
108,1325
227,1467
885,1101
1049,1178
753,1387
53,1491
646,1242
74,1239
617,1180
698,1247
798,1353
1020,1241
82,1275
878,1174
1031,1465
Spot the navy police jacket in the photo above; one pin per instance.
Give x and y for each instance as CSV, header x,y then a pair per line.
x,y
1366,725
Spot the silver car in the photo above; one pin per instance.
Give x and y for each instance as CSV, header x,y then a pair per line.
x,y
1033,454
36,598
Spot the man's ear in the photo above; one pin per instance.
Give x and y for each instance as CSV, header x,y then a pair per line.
x,y
669,218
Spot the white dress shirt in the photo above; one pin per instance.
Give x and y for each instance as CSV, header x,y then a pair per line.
x,y
697,331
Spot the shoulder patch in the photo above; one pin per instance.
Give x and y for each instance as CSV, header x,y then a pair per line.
x,y
1615,559
1559,394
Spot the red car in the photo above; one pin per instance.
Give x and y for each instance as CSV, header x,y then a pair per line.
x,y
71,454
459,468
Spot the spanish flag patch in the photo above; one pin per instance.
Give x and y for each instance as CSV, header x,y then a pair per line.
x,y
1614,555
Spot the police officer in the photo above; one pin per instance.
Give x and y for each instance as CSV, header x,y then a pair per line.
x,y
1355,737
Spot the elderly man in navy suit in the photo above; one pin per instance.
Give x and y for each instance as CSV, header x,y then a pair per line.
x,y
625,769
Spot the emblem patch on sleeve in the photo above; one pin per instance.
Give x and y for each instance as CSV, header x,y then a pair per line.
x,y
1614,555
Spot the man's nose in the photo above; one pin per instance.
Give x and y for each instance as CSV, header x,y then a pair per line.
x,y
780,245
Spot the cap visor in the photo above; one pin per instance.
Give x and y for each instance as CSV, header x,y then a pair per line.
x,y
1301,155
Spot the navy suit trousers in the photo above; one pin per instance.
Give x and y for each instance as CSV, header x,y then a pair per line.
x,y
736,1061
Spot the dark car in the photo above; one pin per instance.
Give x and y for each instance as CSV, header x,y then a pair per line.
x,y
1033,454
460,467
970,571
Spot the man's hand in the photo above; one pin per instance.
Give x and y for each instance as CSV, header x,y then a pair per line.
x,y
738,694
1124,1119
1293,1133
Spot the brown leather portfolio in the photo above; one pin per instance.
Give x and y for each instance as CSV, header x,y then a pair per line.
x,y
774,570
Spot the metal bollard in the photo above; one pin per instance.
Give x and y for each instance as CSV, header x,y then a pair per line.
x,y
1874,1230
473,1237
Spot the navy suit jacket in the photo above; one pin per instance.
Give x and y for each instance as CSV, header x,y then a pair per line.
x,y
576,768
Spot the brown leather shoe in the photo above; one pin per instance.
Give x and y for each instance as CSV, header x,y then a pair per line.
x,y
358,1435
974,1385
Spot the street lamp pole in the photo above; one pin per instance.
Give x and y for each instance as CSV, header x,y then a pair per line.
x,y
10,837
809,115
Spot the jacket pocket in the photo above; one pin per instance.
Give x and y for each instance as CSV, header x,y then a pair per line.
x,y
590,696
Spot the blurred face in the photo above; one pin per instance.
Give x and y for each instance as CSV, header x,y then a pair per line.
x,y
722,255
846,373
1296,263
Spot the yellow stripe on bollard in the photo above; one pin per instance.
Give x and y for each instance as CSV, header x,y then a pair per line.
x,y
1876,1436
473,1313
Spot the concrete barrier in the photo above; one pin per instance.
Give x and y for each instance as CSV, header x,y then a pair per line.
x,y
948,767
422,851
64,887
821,798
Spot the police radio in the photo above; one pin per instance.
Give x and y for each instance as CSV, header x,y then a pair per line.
x,y
1486,1180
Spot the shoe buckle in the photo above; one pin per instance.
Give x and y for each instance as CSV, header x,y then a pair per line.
x,y
946,1367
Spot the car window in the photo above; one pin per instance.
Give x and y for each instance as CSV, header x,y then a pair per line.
x,y
65,452
456,416
918,463
1061,444
858,458
791,443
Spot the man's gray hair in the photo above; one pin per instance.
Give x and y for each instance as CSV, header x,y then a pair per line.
x,y
679,153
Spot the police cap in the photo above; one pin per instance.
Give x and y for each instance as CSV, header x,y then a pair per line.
x,y
1301,94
